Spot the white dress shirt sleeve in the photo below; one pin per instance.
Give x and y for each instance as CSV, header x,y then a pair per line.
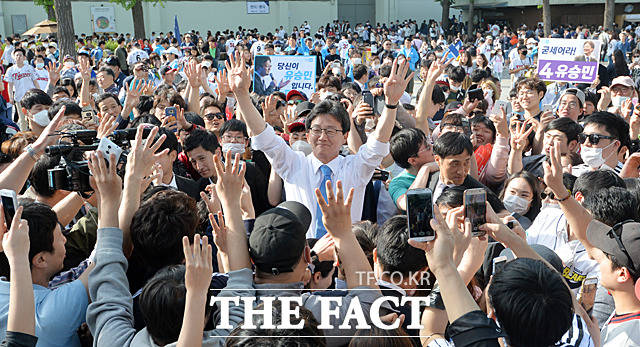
x,y
286,162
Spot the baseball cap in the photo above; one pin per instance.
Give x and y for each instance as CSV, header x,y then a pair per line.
x,y
165,69
575,91
303,108
84,52
112,61
279,237
622,80
67,57
622,241
299,123
294,92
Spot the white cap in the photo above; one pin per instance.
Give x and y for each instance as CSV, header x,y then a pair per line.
x,y
171,50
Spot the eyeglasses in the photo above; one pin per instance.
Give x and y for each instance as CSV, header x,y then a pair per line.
x,y
616,233
316,131
594,139
211,116
294,102
234,138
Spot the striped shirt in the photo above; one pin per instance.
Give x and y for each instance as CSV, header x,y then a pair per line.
x,y
622,330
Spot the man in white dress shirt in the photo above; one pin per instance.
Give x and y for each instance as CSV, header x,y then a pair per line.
x,y
328,125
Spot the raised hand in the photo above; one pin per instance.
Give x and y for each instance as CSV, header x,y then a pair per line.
x,y
553,173
193,72
143,153
136,89
362,112
15,242
182,122
325,248
223,83
219,231
336,211
105,179
85,70
107,125
212,201
54,72
626,109
230,178
239,76
501,123
198,264
288,118
397,82
439,252
520,135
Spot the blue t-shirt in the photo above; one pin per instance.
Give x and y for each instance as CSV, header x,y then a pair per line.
x,y
59,313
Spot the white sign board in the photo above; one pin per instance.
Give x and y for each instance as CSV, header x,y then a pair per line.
x,y
104,19
258,7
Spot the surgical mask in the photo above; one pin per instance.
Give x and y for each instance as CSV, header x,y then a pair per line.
x,y
41,118
233,148
516,204
593,156
335,70
302,146
616,100
39,65
69,64
356,61
636,60
454,88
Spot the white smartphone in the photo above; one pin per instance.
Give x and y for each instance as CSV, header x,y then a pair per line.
x,y
547,107
506,105
498,264
9,204
419,214
107,147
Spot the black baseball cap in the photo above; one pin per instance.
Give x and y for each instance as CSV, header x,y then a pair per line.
x,y
610,239
279,237
304,108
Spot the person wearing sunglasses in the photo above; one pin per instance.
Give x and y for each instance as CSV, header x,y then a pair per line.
x,y
604,138
213,115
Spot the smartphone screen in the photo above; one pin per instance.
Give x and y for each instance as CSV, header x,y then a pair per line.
x,y
419,213
475,94
367,97
9,206
475,209
588,293
498,264
466,126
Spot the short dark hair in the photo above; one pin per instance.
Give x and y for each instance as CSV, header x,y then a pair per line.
x,y
42,222
39,176
145,118
335,109
329,81
613,124
405,144
60,89
451,197
104,96
478,75
234,125
158,226
592,181
457,74
524,283
452,143
108,71
35,97
567,126
170,142
359,71
70,108
204,138
395,253
487,123
533,83
612,205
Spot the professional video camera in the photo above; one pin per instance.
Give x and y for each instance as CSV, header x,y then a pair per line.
x,y
72,173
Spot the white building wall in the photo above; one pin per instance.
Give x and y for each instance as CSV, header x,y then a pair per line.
x,y
220,15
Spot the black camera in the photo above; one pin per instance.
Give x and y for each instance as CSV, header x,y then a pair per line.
x,y
72,174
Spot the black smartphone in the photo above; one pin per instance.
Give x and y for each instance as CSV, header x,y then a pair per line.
x,y
475,209
475,94
419,214
380,175
367,97
9,204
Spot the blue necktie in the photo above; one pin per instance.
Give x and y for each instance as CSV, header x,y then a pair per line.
x,y
326,176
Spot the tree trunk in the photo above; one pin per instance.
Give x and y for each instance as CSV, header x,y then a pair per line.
x,y
51,13
470,23
445,14
546,17
138,20
609,10
65,28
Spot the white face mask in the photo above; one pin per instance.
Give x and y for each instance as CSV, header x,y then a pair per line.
x,y
234,148
335,70
593,156
356,61
41,118
454,88
516,204
69,64
39,66
302,146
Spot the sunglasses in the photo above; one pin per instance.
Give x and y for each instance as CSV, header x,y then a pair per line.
x,y
294,102
210,116
616,233
594,139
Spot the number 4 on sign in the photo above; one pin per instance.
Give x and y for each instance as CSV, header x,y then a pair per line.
x,y
546,71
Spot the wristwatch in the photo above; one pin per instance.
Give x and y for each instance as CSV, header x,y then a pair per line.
x,y
391,107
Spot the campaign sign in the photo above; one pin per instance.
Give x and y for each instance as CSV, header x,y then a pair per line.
x,y
568,60
284,73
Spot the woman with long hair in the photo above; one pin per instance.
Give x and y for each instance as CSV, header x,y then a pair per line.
x,y
619,65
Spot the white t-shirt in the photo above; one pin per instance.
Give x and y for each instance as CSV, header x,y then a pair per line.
x,y
517,62
42,76
231,46
22,79
495,30
136,55
257,48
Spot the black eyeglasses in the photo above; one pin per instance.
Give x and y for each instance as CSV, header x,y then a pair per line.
x,y
616,233
594,139
210,116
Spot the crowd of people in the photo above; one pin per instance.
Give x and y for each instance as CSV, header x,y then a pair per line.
x,y
163,176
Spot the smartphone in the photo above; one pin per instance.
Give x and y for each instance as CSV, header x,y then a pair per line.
x,y
108,147
380,175
588,293
498,264
475,209
171,113
419,214
501,104
547,107
9,204
475,94
620,101
466,126
368,98
88,115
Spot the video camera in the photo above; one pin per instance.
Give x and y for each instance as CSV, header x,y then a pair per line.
x,y
72,173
